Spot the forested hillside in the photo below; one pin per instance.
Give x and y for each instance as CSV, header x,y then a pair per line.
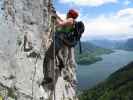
x,y
119,86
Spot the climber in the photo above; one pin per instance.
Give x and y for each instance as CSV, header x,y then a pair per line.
x,y
60,38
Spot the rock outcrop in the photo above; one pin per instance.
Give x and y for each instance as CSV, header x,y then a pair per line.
x,y
26,28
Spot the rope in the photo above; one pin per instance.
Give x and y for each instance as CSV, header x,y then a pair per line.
x,y
54,57
36,63
34,78
53,27
53,31
35,67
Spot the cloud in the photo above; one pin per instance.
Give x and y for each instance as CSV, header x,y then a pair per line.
x,y
88,2
128,12
119,24
127,2
114,25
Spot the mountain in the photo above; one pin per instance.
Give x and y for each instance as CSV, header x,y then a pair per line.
x,y
103,43
90,53
110,44
88,46
119,86
126,44
129,44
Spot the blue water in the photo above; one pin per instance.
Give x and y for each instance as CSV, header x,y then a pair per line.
x,y
90,75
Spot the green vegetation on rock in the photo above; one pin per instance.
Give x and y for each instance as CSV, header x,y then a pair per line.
x,y
119,86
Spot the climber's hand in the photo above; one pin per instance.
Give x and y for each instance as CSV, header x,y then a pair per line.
x,y
53,16
53,10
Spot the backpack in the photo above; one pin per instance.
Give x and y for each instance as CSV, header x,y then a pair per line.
x,y
72,38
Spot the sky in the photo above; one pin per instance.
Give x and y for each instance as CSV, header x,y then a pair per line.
x,y
111,19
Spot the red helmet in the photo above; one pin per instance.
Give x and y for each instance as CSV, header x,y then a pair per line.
x,y
73,13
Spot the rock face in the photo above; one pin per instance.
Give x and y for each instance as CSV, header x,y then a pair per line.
x,y
26,28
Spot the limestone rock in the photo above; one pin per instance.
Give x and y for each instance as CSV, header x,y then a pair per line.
x,y
25,35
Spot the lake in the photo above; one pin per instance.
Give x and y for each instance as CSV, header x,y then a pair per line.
x,y
90,75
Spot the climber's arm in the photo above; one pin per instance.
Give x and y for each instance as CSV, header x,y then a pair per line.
x,y
67,22
58,18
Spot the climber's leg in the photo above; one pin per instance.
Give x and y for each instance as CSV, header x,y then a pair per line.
x,y
46,70
60,59
49,63
47,67
72,65
71,57
58,51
